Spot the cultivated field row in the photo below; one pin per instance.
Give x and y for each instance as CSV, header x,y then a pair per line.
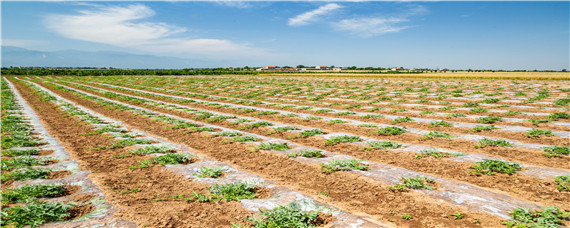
x,y
385,172
40,183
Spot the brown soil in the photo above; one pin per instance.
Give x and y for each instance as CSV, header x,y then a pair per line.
x,y
323,219
70,190
45,152
58,174
343,188
81,198
262,193
79,210
52,161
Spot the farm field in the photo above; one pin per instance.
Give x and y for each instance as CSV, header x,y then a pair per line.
x,y
283,151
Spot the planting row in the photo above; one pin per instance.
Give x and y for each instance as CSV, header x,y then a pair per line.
x,y
325,167
40,184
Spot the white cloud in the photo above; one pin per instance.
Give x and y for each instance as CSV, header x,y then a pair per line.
x,y
235,4
367,27
307,17
122,26
24,43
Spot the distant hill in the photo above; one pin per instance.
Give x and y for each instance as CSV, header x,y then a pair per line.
x,y
16,56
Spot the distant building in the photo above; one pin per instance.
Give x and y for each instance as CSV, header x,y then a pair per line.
x,y
321,67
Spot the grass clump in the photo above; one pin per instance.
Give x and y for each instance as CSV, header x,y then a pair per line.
x,y
484,128
545,217
537,133
210,172
384,144
152,149
402,119
556,151
274,146
105,129
35,214
307,154
290,215
440,123
488,167
413,183
28,193
338,165
489,142
471,104
25,174
234,192
344,138
369,116
390,131
311,132
489,119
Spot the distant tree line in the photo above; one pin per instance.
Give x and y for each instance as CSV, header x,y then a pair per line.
x,y
111,71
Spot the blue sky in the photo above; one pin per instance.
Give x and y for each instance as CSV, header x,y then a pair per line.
x,y
456,35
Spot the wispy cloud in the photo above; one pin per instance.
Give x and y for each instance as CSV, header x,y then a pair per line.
x,y
308,17
378,25
367,27
124,26
235,4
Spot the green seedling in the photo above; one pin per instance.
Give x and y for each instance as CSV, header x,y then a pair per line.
x,y
437,134
484,128
228,134
35,214
563,182
28,193
489,142
534,133
559,115
210,172
234,192
456,115
488,167
457,215
339,139
545,217
244,139
338,165
307,154
25,174
536,122
556,151
336,121
384,144
167,159
152,149
23,161
274,146
406,216
478,110
402,119
390,131
489,119
440,123
290,215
